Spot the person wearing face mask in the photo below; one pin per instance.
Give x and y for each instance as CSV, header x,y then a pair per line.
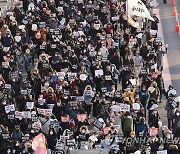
x,y
83,135
42,102
56,61
176,118
51,140
123,77
17,135
144,98
142,128
154,119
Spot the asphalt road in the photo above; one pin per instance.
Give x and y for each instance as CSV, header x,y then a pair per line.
x,y
172,38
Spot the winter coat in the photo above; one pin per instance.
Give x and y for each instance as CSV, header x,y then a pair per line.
x,y
127,124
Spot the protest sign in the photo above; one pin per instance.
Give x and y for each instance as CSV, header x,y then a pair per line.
x,y
30,105
98,124
18,115
99,72
9,108
36,125
153,131
162,152
124,107
26,114
81,117
116,108
70,142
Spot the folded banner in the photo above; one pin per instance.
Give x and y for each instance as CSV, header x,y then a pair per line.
x,y
39,144
138,8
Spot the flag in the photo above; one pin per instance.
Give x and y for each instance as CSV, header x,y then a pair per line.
x,y
138,8
39,144
132,22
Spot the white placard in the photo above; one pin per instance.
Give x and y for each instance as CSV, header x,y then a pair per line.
x,y
26,114
116,108
108,77
36,125
133,82
30,105
18,115
9,108
162,152
99,72
124,107
153,32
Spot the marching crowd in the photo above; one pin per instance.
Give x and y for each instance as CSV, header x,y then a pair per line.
x,y
79,73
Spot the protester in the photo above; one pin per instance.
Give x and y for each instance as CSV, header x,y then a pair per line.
x,y
83,76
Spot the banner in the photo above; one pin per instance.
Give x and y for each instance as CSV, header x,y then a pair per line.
x,y
138,8
39,144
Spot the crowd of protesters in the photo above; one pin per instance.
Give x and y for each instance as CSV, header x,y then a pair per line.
x,y
79,73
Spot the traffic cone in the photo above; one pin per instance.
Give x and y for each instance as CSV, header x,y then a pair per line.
x,y
174,13
177,27
172,2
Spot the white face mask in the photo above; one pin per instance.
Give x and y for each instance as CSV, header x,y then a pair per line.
x,y
83,131
32,131
51,133
46,84
178,114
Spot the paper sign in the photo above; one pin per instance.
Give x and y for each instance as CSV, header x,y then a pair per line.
x,y
61,74
26,114
116,18
98,124
5,64
124,107
81,117
50,106
24,92
108,77
153,131
10,117
70,142
30,105
99,72
18,115
36,125
7,86
116,108
162,152
133,82
65,118
80,98
9,108
153,32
